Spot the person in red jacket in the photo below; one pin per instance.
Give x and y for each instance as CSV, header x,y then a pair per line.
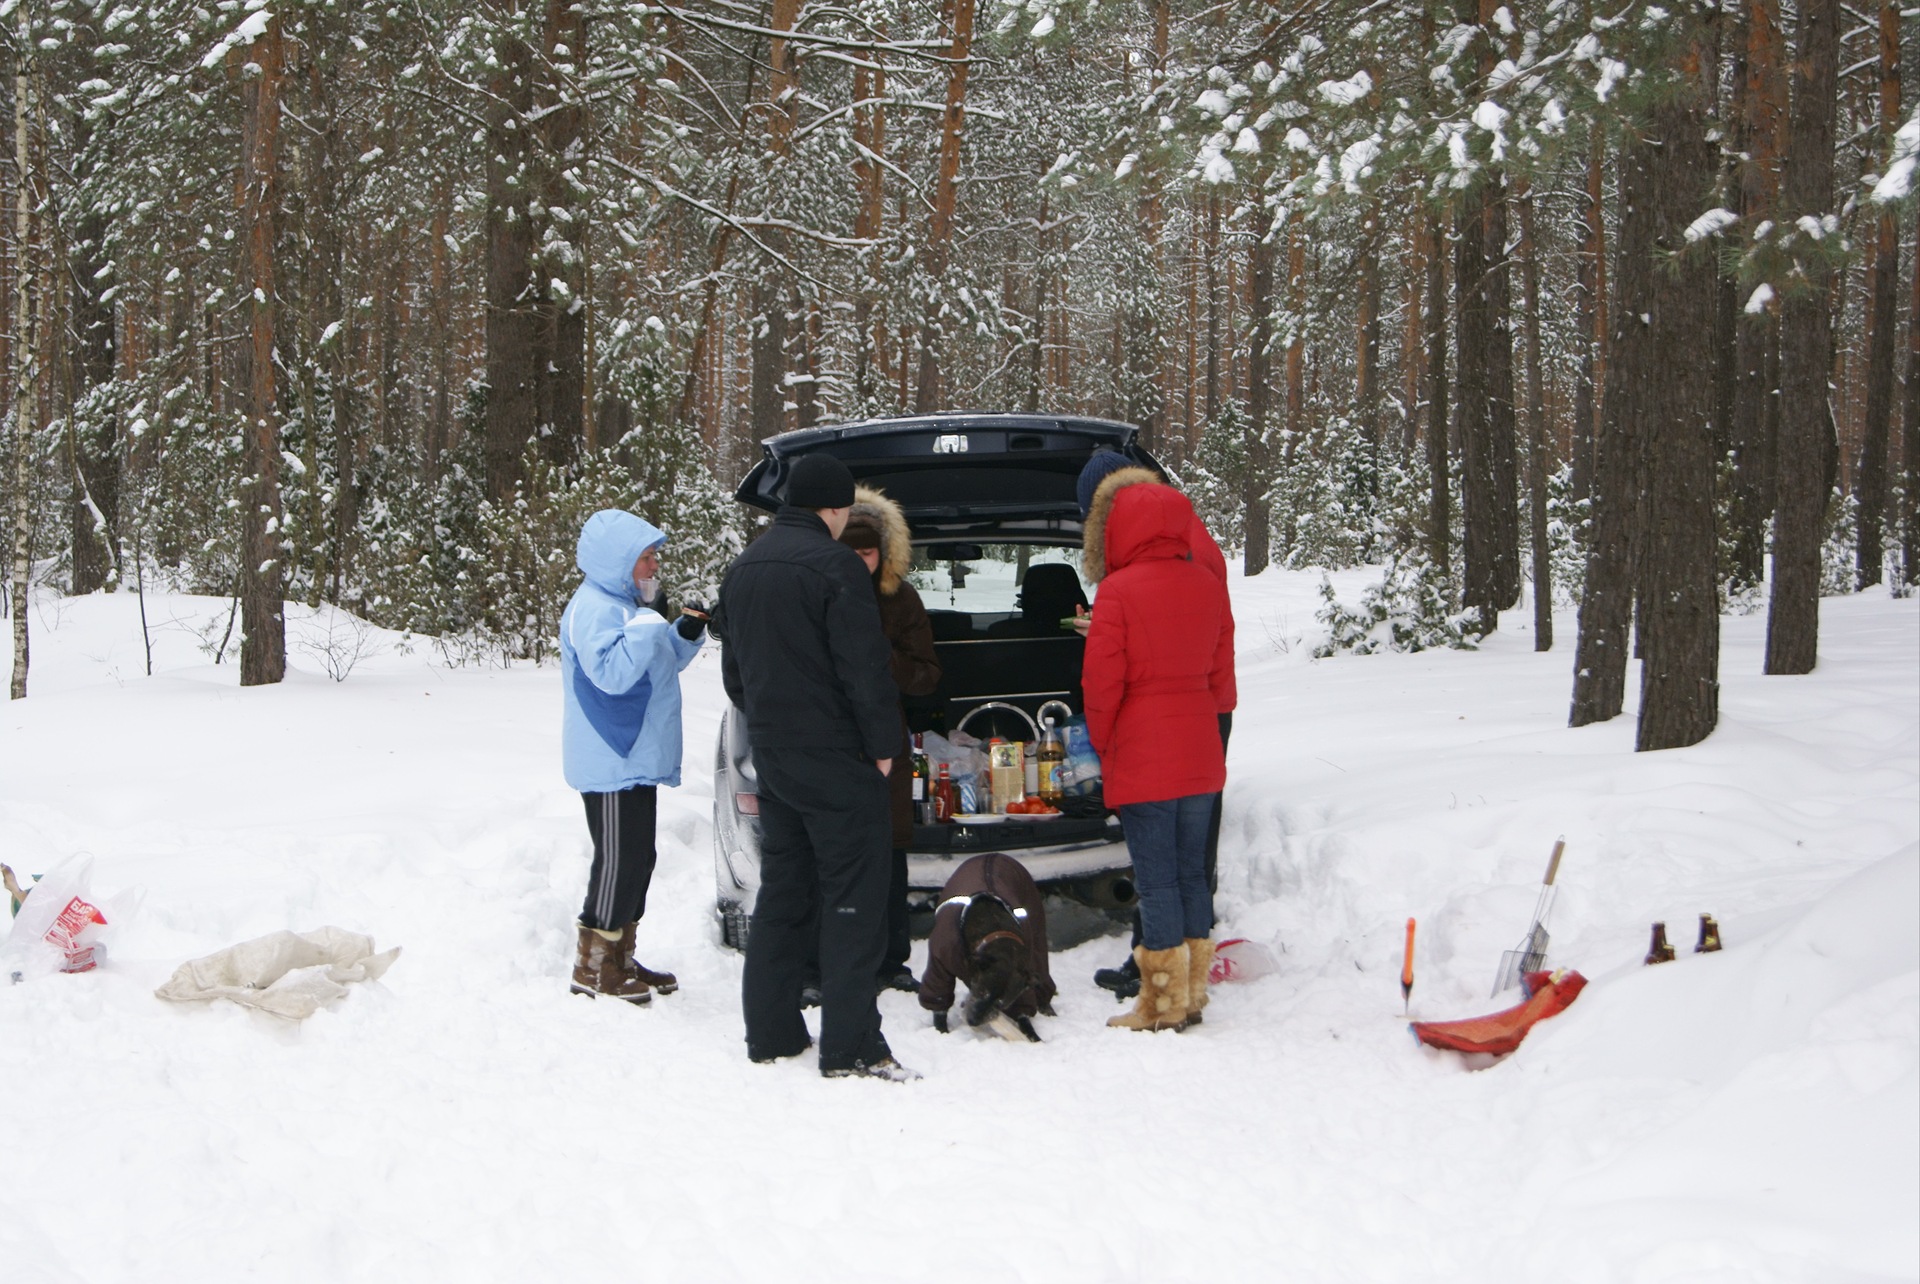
x,y
1157,675
1106,473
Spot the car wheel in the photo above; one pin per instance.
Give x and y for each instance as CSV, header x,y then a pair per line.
x,y
733,925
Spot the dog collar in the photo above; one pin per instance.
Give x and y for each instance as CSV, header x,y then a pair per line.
x,y
964,901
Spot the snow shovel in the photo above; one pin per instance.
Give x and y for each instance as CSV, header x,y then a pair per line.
x,y
1531,955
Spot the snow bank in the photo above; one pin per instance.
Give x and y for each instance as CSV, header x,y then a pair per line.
x,y
1748,1115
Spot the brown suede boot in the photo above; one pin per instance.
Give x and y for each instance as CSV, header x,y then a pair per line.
x,y
1199,964
1162,1004
664,982
600,968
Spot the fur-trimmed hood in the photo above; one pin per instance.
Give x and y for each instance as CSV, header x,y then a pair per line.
x,y
1093,538
896,540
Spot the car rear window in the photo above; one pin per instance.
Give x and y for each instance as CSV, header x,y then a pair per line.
x,y
993,586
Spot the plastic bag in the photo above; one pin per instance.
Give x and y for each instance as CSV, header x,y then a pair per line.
x,y
1239,959
1080,774
61,926
961,755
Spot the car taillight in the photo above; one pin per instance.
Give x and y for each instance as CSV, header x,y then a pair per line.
x,y
747,804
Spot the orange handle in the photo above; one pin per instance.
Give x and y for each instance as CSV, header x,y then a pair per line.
x,y
1406,969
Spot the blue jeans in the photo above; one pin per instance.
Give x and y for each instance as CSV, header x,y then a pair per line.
x,y
1168,843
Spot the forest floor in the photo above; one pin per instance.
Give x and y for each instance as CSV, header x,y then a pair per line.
x,y
1751,1115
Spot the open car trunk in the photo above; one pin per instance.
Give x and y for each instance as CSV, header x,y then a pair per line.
x,y
991,504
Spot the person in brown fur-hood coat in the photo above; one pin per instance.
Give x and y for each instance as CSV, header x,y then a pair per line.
x,y
877,530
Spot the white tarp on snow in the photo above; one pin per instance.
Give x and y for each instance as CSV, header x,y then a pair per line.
x,y
290,974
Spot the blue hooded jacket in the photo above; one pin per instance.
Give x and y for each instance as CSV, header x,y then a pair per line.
x,y
620,666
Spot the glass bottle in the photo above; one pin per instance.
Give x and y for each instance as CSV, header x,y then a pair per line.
x,y
1709,936
1030,768
1658,951
1049,759
943,798
922,785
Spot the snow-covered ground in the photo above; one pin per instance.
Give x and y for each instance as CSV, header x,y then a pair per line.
x,y
1749,1115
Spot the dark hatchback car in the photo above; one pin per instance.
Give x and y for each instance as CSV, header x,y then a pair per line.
x,y
990,501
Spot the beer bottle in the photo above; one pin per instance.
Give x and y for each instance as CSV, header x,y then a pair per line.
x,y
1659,951
1709,936
943,798
1051,757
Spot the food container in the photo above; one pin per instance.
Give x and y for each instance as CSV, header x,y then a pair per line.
x,y
1007,772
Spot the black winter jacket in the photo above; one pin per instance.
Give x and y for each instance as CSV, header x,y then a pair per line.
x,y
802,652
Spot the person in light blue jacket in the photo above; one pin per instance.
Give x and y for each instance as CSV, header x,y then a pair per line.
x,y
620,663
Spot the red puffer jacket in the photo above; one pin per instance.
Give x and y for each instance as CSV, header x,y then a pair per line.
x,y
1159,665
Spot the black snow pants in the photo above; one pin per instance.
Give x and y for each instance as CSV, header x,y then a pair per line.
x,y
623,856
825,842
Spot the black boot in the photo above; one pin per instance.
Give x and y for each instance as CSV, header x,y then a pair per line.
x,y
1124,980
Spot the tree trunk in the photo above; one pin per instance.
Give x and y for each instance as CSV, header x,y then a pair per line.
x,y
1439,497
1910,434
927,394
1761,98
1594,325
96,440
1679,673
512,346
1502,438
1606,602
1213,306
1485,502
26,358
263,640
1589,329
560,363
1806,353
1870,476
1536,432
767,398
1484,374
870,147
1366,357
1257,535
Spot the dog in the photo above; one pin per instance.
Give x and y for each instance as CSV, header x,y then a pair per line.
x,y
990,931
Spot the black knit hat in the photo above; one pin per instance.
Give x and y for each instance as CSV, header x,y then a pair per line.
x,y
819,481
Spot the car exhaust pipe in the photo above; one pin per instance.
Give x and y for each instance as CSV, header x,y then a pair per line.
x,y
1105,891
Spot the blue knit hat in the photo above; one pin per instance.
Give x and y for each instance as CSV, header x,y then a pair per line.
x,y
1101,465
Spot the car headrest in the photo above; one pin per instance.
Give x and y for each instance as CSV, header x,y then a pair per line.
x,y
1051,591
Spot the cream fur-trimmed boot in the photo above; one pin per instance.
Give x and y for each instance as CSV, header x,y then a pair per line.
x,y
1162,1004
1199,964
600,967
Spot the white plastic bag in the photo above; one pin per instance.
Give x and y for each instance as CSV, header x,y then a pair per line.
x,y
61,927
1239,959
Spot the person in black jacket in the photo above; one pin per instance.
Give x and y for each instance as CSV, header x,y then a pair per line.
x,y
804,658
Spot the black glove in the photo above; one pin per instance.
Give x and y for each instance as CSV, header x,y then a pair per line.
x,y
692,622
940,1022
